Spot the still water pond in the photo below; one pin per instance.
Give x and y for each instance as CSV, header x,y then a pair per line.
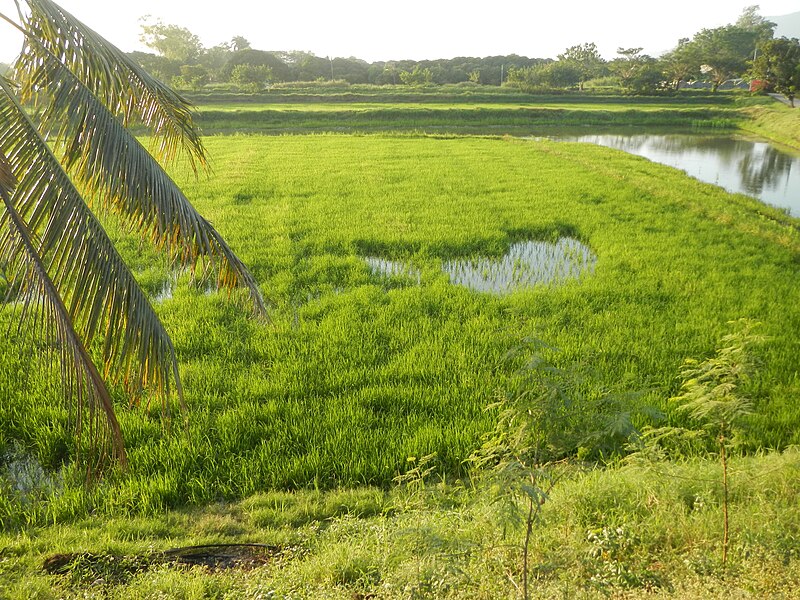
x,y
739,165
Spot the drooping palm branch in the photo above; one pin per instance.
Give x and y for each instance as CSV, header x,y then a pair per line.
x,y
101,293
44,307
87,83
86,92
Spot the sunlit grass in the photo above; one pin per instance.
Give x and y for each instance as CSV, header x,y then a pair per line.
x,y
357,371
642,530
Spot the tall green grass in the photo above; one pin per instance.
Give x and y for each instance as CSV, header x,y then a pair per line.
x,y
643,530
357,371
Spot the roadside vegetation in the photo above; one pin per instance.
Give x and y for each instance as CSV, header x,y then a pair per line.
x,y
632,531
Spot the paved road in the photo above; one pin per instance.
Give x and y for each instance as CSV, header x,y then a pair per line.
x,y
785,100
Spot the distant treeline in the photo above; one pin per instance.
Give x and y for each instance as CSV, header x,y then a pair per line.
x,y
745,49
249,67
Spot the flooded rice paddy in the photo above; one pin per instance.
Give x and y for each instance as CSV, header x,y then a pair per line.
x,y
526,264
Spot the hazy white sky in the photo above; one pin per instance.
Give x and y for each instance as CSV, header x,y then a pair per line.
x,y
414,29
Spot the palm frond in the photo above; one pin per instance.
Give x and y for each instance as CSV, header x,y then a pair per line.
x,y
101,153
120,83
102,297
43,307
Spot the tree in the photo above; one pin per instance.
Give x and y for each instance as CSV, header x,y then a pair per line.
x,y
257,58
214,60
778,66
416,76
637,72
193,77
711,395
681,64
251,78
556,74
586,59
724,52
157,66
173,42
74,289
750,20
239,43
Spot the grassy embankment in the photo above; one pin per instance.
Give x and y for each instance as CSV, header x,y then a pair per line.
x,y
631,532
524,118
358,372
776,122
481,110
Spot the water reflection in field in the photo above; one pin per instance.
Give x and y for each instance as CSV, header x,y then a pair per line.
x,y
739,165
392,268
525,264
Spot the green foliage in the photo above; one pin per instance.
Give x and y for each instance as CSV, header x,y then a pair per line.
x,y
553,75
535,426
611,562
711,393
682,63
636,72
358,371
585,59
251,78
724,52
192,76
171,41
778,66
416,76
654,543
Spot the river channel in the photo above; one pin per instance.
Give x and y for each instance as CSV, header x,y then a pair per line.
x,y
740,165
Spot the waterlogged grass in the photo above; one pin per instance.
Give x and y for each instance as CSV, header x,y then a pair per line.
x,y
524,265
650,529
356,371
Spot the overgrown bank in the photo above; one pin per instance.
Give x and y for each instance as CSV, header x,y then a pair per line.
x,y
650,529
779,123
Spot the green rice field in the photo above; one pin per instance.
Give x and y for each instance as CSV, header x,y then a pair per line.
x,y
415,250
357,370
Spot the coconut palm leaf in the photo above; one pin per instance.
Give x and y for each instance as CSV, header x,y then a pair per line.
x,y
43,308
116,79
101,153
98,151
102,297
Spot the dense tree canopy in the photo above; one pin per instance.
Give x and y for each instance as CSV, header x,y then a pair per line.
x,y
778,66
172,42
